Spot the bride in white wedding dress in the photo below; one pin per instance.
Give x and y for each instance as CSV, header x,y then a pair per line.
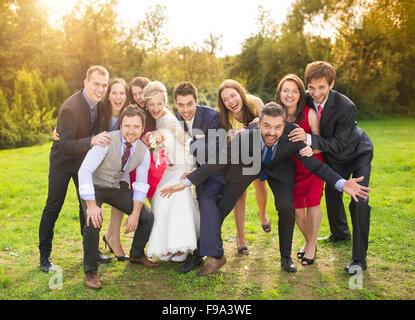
x,y
176,219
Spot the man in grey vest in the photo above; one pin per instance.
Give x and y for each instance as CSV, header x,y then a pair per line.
x,y
104,178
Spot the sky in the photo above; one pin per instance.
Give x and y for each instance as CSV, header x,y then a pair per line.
x,y
191,21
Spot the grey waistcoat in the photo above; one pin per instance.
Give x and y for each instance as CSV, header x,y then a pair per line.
x,y
109,174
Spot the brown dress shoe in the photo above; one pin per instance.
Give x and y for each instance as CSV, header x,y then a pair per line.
x,y
92,281
212,266
144,261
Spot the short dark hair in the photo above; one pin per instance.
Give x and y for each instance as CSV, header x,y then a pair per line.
x,y
318,70
130,111
272,109
185,88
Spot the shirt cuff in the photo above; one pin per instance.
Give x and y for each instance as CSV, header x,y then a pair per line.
x,y
187,182
86,189
87,196
139,196
309,139
140,186
339,185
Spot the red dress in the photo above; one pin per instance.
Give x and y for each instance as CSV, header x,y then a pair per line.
x,y
154,173
308,188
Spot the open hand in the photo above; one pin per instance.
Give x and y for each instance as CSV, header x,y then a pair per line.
x,y
95,215
103,139
306,151
131,223
354,189
298,134
167,192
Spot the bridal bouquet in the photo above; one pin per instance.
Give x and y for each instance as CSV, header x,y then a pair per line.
x,y
154,141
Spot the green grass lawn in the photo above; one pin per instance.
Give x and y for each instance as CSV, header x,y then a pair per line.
x,y
390,274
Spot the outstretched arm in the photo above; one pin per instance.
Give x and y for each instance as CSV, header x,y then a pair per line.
x,y
352,188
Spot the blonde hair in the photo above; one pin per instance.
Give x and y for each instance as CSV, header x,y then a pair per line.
x,y
101,70
153,89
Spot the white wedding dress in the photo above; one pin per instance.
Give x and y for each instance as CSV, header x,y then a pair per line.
x,y
176,219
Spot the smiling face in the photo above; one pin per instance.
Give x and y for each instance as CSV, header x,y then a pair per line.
x,y
117,97
290,94
138,96
186,105
232,100
131,128
95,86
319,89
271,129
156,106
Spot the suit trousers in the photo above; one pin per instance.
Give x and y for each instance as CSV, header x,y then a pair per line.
x,y
122,199
57,189
211,218
284,204
359,211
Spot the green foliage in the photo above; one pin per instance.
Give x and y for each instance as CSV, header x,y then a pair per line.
x,y
26,122
374,61
57,91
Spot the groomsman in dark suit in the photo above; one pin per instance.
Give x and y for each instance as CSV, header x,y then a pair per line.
x,y
266,152
77,124
197,120
347,149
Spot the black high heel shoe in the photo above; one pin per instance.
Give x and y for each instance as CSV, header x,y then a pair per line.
x,y
308,261
121,258
300,254
107,244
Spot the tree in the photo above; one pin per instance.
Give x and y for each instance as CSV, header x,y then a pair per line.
x,y
212,43
150,31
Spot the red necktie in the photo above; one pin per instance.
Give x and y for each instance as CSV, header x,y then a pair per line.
x,y
126,154
320,110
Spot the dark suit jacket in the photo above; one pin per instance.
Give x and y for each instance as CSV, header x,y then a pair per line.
x,y
75,131
340,138
205,118
281,167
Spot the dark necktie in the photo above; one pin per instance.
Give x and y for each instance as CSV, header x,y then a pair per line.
x,y
93,114
267,160
126,155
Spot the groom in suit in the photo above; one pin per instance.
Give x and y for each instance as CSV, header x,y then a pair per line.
x,y
266,152
77,123
347,149
197,120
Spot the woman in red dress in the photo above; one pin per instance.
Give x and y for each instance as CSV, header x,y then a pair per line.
x,y
308,188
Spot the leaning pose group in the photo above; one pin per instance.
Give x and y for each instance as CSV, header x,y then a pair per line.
x,y
121,144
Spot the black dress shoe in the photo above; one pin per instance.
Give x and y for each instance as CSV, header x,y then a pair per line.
x,y
103,258
331,237
356,266
46,265
288,265
191,263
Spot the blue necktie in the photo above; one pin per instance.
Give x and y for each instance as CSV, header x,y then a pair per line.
x,y
267,160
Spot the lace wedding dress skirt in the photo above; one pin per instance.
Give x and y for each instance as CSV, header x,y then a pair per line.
x,y
176,219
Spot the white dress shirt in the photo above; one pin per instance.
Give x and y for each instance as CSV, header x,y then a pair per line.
x,y
94,158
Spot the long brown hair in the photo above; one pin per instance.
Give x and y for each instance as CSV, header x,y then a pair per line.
x,y
301,102
247,106
106,104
